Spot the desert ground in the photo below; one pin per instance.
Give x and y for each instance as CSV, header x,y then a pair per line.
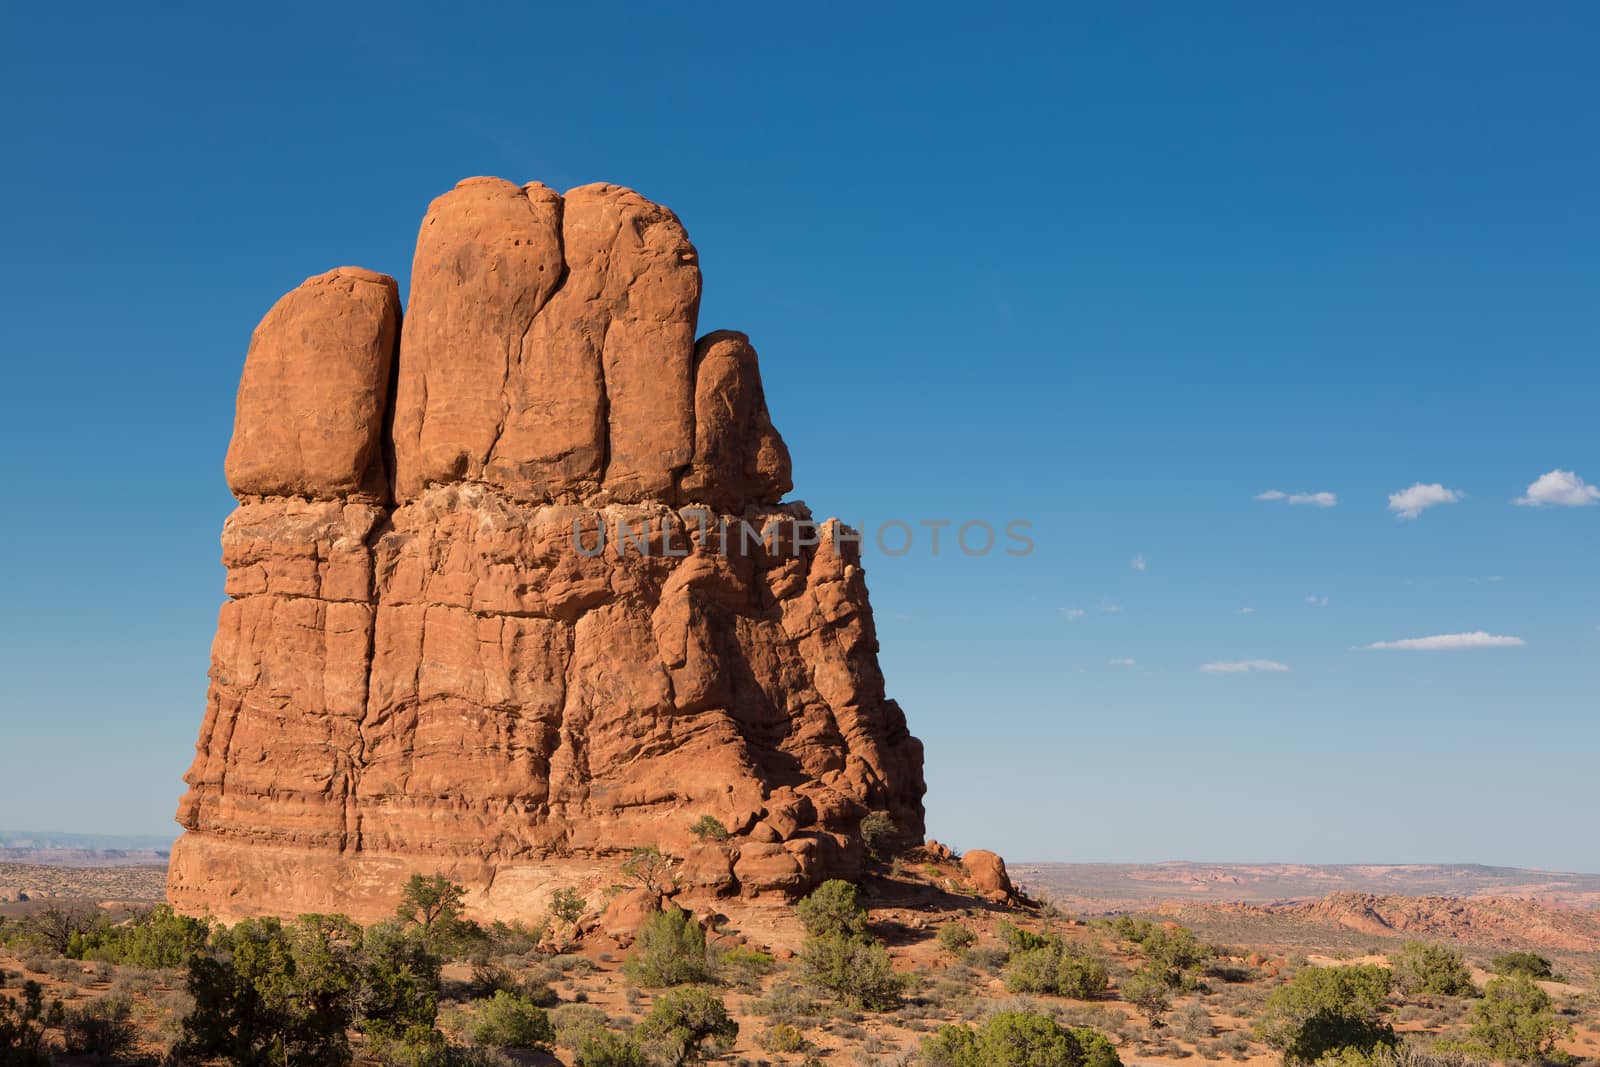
x,y
1253,948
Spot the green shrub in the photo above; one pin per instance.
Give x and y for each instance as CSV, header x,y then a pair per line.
x,y
1017,1039
856,970
834,907
1148,990
516,938
742,966
1016,939
670,950
273,994
1057,968
783,1037
708,827
1325,1010
686,1024
1530,964
1174,953
1516,1021
568,905
956,939
606,1049
877,830
1433,969
396,982
159,939
508,1020
574,1022
433,903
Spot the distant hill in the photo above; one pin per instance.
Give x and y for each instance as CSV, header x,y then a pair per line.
x,y
1110,887
84,850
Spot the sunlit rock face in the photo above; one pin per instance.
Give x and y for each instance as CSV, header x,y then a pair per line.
x,y
512,589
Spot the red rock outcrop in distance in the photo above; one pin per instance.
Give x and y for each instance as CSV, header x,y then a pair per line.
x,y
425,666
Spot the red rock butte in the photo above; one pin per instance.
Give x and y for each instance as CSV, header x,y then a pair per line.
x,y
422,664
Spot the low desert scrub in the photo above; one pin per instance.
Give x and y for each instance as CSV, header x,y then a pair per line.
x,y
1436,970
1017,1039
670,950
1194,1022
102,1028
511,1021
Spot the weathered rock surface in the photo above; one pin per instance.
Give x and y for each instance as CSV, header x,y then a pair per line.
x,y
987,871
430,661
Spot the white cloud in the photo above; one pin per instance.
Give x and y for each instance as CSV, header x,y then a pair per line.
x,y
1247,611
1072,614
1242,666
1138,563
1449,642
1560,489
1317,601
1110,609
1409,503
1321,500
1121,662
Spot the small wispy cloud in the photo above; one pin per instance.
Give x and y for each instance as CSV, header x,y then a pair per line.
x,y
1122,662
1138,563
1560,489
1072,614
1409,503
1243,666
1110,609
1247,611
1321,500
1317,601
1450,642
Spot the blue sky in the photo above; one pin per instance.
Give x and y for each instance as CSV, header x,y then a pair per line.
x,y
1112,270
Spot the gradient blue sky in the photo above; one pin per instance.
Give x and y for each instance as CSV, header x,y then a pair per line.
x,y
1114,270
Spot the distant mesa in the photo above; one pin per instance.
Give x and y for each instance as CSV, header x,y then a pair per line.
x,y
417,670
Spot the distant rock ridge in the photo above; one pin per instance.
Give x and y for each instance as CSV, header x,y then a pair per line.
x,y
423,664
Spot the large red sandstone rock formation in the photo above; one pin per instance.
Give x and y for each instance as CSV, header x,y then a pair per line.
x,y
422,667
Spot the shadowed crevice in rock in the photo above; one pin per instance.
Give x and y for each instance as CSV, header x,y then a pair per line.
x,y
418,670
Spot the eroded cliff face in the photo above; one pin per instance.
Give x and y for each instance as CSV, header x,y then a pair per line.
x,y
429,661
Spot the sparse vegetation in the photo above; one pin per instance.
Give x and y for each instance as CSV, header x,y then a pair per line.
x,y
22,1026
1326,1011
567,905
650,869
956,939
709,828
433,904
1017,1039
685,1026
1516,1021
1528,964
1056,967
509,1020
876,831
671,950
102,1028
1436,970
1149,990
322,989
839,956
